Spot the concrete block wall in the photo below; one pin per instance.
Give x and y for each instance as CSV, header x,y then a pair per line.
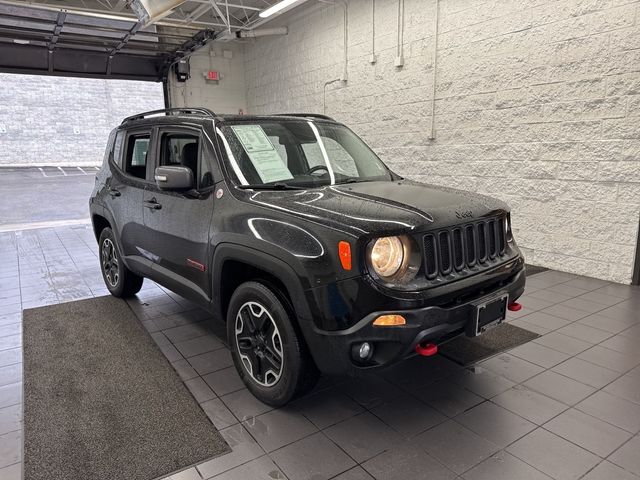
x,y
228,95
537,103
66,121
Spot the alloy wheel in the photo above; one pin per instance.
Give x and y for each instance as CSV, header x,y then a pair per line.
x,y
110,262
259,344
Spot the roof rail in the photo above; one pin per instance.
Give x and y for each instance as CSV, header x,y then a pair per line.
x,y
172,111
310,115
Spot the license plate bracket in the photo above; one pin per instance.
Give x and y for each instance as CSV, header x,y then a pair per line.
x,y
488,314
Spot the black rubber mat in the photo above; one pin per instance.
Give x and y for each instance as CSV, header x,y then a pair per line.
x,y
469,350
102,402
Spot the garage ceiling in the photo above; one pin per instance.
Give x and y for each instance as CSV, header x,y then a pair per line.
x,y
105,39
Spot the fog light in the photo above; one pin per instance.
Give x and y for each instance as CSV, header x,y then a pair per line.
x,y
389,321
364,351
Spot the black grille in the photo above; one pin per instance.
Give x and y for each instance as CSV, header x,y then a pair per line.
x,y
459,249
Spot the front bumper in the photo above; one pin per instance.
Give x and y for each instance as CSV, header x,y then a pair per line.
x,y
433,324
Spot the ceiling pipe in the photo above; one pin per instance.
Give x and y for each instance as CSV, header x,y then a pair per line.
x,y
262,32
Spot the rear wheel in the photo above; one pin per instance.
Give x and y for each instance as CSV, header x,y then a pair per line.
x,y
120,281
268,352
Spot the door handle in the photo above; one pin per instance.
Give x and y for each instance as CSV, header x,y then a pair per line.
x,y
113,192
152,204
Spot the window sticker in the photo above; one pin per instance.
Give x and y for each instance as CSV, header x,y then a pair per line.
x,y
264,157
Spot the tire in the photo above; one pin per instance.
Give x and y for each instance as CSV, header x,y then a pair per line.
x,y
120,281
259,327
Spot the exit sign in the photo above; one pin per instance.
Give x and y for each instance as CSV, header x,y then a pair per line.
x,y
213,75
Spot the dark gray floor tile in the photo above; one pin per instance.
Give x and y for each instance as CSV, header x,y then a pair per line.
x,y
199,345
313,458
569,290
10,374
278,428
539,354
559,387
199,389
608,471
627,387
243,449
418,372
10,394
612,409
356,473
363,436
10,341
585,372
184,369
512,367
545,320
494,423
605,323
627,456
622,344
553,455
188,474
10,419
567,313
186,332
588,432
631,332
10,356
170,352
504,466
371,391
224,381
605,357
563,343
481,381
218,413
448,398
328,407
408,416
457,447
244,405
10,448
584,305
585,333
587,283
12,472
621,314
211,361
598,297
532,327
531,405
404,461
551,295
261,468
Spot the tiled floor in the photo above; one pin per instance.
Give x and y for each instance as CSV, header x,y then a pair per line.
x,y
564,406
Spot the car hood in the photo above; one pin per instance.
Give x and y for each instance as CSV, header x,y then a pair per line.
x,y
382,207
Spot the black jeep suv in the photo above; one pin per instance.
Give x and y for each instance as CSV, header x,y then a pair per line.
x,y
289,228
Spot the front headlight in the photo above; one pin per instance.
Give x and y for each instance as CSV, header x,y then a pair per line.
x,y
394,259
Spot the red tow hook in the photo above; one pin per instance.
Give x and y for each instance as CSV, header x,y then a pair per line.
x,y
426,349
514,307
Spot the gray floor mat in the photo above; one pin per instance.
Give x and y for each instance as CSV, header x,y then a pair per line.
x,y
102,402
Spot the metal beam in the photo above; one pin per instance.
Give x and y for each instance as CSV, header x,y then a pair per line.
x,y
54,39
122,43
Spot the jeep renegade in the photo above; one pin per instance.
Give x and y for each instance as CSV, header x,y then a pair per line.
x,y
290,229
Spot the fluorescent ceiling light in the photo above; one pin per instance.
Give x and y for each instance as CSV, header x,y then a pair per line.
x,y
278,7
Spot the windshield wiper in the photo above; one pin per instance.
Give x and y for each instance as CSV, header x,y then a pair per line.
x,y
270,186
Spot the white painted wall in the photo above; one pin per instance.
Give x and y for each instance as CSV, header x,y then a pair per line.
x,y
538,103
228,95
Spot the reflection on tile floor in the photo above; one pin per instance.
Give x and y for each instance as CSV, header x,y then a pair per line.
x,y
564,406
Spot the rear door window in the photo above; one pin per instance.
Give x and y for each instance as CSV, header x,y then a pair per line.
x,y
136,159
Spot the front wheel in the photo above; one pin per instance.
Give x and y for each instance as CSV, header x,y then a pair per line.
x,y
268,353
120,281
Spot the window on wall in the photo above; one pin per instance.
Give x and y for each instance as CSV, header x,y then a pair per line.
x,y
137,154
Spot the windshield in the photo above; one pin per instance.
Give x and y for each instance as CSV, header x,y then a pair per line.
x,y
299,153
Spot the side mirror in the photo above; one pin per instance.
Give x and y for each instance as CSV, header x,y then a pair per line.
x,y
174,178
